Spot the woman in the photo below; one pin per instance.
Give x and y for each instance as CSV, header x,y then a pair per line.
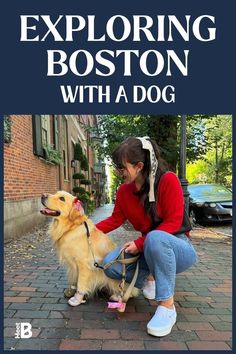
x,y
151,199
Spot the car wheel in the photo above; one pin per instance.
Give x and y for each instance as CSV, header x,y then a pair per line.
x,y
193,218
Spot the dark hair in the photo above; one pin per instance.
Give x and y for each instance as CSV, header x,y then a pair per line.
x,y
131,151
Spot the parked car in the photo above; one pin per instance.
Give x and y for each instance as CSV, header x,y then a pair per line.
x,y
209,203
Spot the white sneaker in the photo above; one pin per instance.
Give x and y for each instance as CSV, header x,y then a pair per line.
x,y
162,322
76,300
149,290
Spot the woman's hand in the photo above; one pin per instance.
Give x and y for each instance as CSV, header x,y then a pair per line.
x,y
130,247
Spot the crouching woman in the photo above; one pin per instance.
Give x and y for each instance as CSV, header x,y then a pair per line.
x,y
151,199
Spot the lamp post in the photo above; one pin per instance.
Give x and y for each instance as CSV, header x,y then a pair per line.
x,y
182,163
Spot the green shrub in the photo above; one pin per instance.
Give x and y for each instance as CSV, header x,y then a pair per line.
x,y
84,163
84,197
86,182
90,207
7,129
79,190
52,155
78,176
78,152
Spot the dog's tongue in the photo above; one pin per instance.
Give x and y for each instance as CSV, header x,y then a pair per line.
x,y
46,211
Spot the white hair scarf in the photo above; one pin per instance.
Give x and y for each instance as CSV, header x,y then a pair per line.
x,y
147,145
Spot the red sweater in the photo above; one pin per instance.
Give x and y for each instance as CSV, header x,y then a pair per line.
x,y
170,208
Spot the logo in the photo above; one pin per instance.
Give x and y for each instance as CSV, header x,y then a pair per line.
x,y
23,330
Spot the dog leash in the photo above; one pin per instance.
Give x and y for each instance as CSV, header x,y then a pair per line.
x,y
96,265
123,261
120,305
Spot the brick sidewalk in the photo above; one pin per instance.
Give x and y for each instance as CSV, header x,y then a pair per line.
x,y
34,284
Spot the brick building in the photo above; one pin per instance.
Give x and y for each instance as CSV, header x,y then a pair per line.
x,y
32,164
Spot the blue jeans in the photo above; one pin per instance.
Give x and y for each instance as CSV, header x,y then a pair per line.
x,y
164,256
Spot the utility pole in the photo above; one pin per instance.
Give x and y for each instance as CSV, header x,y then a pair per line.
x,y
182,163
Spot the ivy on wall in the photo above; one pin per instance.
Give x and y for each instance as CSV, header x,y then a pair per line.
x,y
7,129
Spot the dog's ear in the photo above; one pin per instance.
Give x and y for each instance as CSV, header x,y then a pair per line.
x,y
76,210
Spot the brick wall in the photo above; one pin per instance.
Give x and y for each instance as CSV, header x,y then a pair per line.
x,y
26,176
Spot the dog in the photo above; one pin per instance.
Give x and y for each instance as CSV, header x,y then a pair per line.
x,y
80,246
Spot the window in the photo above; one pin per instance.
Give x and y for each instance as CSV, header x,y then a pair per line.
x,y
56,131
37,135
46,130
42,133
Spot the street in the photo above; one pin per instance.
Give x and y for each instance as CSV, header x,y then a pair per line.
x,y
34,284
224,229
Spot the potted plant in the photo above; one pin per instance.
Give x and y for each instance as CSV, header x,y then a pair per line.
x,y
85,182
78,190
78,175
52,155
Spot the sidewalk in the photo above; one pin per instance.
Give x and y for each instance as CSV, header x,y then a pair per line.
x,y
34,284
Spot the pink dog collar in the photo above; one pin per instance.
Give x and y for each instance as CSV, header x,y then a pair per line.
x,y
78,204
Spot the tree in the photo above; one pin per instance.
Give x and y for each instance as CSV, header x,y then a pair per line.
x,y
196,136
197,172
161,128
209,139
116,128
164,129
219,138
214,164
115,182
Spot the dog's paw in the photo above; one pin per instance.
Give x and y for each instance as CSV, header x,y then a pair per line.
x,y
69,292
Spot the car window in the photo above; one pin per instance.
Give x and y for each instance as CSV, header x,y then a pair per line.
x,y
208,190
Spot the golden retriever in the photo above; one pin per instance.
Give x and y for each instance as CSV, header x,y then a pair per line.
x,y
76,250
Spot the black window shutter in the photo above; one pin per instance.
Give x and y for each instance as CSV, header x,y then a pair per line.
x,y
37,135
55,132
